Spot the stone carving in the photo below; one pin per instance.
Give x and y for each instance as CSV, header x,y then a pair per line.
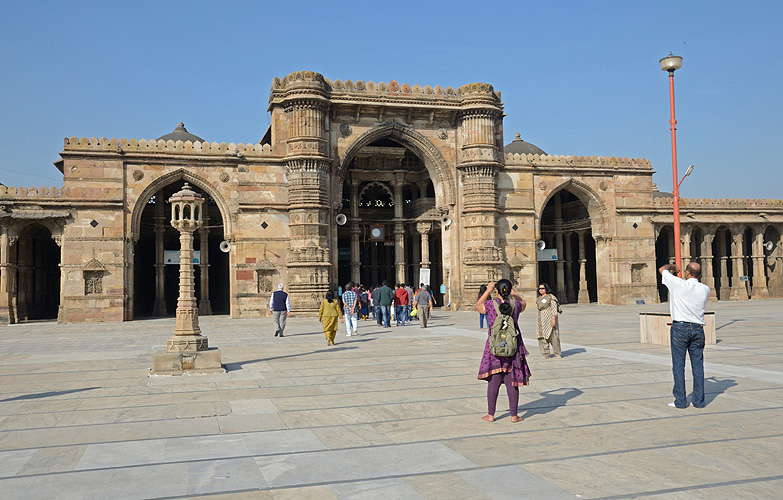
x,y
138,175
345,129
93,282
443,133
224,177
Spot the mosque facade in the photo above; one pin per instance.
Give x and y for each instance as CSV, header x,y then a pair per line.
x,y
364,182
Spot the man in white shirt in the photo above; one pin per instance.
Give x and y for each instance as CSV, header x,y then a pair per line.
x,y
687,301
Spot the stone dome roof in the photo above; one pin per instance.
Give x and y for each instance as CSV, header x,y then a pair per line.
x,y
518,146
181,134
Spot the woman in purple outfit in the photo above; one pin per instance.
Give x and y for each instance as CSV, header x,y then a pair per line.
x,y
513,370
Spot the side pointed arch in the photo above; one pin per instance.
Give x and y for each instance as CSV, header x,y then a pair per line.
x,y
169,178
442,176
596,208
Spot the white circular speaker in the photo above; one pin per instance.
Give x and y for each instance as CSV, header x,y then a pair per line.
x,y
769,245
541,244
225,246
446,221
341,219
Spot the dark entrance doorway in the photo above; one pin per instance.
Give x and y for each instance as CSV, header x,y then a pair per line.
x,y
38,274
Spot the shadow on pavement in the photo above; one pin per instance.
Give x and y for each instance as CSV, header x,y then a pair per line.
x,y
576,350
47,394
550,401
239,364
728,324
713,387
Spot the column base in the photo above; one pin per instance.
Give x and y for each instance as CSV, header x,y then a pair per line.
x,y
584,297
738,293
179,363
759,293
185,343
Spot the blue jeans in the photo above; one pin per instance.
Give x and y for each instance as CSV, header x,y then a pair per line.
x,y
386,315
482,318
376,310
351,325
687,337
401,313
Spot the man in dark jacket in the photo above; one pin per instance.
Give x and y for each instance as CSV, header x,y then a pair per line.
x,y
385,299
280,307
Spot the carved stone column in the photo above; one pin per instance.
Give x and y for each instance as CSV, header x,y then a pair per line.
x,y
723,257
204,306
685,247
569,267
416,260
356,270
560,265
6,269
480,158
25,271
671,249
303,96
159,306
739,290
424,229
399,230
759,288
584,295
707,274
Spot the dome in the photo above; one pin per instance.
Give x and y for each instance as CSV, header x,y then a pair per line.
x,y
518,146
181,134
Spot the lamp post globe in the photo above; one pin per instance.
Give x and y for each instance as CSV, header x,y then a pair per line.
x,y
671,63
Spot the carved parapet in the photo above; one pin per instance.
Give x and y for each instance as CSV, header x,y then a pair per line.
x,y
32,192
603,162
152,146
392,89
478,93
301,80
722,203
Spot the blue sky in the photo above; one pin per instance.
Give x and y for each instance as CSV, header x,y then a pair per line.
x,y
577,77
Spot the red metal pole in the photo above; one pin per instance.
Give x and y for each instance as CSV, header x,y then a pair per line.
x,y
676,184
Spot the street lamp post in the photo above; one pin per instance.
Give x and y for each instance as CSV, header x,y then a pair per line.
x,y
672,63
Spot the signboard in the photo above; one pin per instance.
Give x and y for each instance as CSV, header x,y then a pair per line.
x,y
743,278
424,276
172,256
546,254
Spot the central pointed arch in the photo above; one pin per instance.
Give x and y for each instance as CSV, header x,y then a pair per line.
x,y
442,175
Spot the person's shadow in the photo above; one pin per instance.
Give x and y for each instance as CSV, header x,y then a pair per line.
x,y
550,400
713,387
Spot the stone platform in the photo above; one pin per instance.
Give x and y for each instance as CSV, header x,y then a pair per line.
x,y
391,414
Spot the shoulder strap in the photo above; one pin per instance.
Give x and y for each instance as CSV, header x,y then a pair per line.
x,y
497,309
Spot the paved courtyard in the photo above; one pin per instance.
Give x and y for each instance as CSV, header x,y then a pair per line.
x,y
391,414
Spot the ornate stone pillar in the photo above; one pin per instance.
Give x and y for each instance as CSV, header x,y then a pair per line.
x,y
759,288
303,96
584,295
707,274
416,260
671,249
399,230
25,271
569,268
560,264
6,270
480,158
685,246
159,306
204,306
424,229
356,270
739,290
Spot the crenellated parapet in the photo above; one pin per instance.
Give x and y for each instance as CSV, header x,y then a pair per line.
x,y
32,192
536,160
152,146
721,203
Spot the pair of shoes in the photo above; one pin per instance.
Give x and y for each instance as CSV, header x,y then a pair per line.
x,y
675,406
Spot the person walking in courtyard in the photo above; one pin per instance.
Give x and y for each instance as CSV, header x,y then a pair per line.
x,y
548,325
351,310
385,299
364,303
512,371
687,302
280,307
423,303
401,304
328,314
